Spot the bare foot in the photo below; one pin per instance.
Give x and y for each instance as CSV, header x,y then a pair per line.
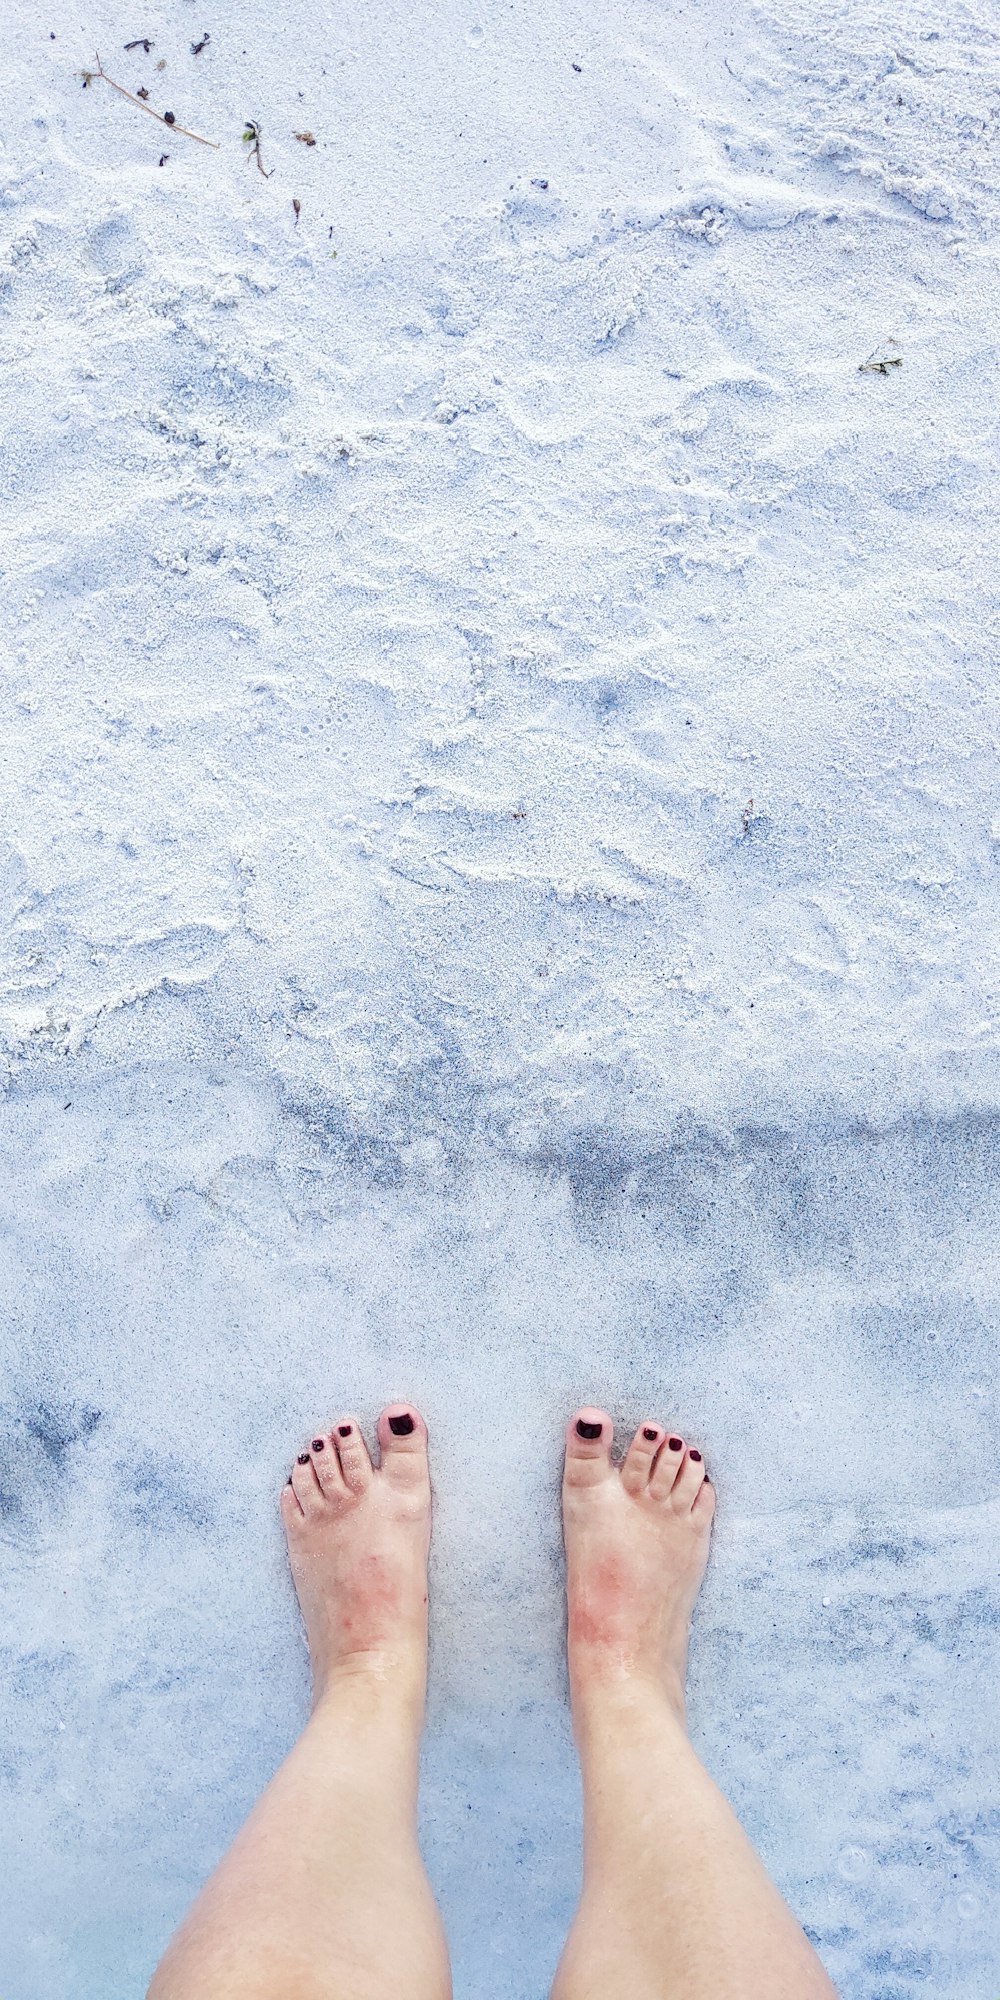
x,y
636,1549
358,1542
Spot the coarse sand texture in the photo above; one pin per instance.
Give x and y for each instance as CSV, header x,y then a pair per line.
x,y
499,906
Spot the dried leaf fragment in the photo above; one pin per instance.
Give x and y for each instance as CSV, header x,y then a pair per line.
x,y
881,360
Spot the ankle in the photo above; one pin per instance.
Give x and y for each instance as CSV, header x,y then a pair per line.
x,y
380,1684
366,1726
612,1695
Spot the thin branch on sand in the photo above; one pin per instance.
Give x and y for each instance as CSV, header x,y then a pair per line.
x,y
163,117
251,138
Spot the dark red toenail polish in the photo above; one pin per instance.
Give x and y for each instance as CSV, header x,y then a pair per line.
x,y
317,1444
649,1435
585,1430
303,1458
676,1444
343,1430
401,1426
696,1455
289,1479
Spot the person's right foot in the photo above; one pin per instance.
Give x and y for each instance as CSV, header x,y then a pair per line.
x,y
636,1548
358,1541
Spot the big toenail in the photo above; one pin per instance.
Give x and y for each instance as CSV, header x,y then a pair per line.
x,y
317,1444
696,1455
649,1435
585,1430
401,1426
676,1444
343,1430
303,1458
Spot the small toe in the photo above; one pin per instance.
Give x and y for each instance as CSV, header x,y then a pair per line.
x,y
305,1485
638,1462
666,1471
588,1446
352,1451
704,1505
402,1437
689,1482
291,1512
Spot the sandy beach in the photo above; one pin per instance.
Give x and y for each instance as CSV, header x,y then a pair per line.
x,y
500,881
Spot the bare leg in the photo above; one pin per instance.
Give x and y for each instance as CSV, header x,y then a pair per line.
x,y
324,1893
675,1901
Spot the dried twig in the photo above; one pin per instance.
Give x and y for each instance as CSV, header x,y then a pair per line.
x,y
251,138
163,117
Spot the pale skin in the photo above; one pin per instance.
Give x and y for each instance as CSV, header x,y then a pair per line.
x,y
327,1868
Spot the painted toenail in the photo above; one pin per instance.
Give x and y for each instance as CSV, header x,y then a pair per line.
x,y
343,1430
303,1458
676,1444
585,1430
649,1435
401,1426
317,1444
696,1455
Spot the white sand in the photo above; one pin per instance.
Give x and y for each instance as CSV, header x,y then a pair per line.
x,y
500,905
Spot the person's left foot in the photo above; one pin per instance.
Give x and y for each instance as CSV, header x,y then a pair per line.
x,y
358,1541
636,1548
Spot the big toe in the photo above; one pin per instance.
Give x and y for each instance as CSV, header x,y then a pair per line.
x,y
402,1436
588,1447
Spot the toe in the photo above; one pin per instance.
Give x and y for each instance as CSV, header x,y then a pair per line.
x,y
704,1505
326,1465
306,1486
588,1447
402,1436
352,1451
291,1512
689,1481
667,1469
639,1457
